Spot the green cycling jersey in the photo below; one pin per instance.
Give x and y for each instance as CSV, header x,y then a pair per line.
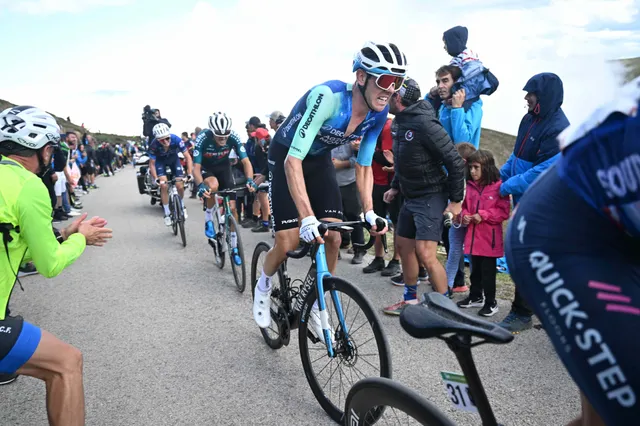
x,y
26,207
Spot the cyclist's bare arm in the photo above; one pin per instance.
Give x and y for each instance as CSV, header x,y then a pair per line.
x,y
364,182
248,168
152,169
197,173
187,157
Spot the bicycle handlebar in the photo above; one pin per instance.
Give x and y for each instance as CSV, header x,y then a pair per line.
x,y
342,227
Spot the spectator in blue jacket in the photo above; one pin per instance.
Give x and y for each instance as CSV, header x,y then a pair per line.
x,y
536,149
461,118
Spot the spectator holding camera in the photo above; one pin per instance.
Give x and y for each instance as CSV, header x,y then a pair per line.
x,y
151,117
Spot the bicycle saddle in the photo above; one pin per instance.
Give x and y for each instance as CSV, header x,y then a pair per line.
x,y
438,315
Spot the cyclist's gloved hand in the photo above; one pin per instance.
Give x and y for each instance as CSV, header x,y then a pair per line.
x,y
309,229
202,188
372,218
189,178
251,185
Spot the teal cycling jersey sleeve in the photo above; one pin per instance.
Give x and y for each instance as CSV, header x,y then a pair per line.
x,y
197,150
49,256
238,147
369,142
320,106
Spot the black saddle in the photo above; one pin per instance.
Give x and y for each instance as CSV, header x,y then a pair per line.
x,y
438,315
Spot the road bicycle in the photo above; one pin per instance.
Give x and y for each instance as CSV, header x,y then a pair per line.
x,y
176,210
223,223
345,340
379,400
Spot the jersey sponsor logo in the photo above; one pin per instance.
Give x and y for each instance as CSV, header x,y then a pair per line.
x,y
409,135
314,111
286,129
4,329
242,149
622,178
196,152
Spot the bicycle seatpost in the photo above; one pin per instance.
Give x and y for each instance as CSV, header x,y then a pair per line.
x,y
461,346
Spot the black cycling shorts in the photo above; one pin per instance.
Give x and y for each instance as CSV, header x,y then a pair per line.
x,y
320,180
224,175
421,218
581,276
18,342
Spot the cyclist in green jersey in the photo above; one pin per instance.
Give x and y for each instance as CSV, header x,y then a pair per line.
x,y
28,137
212,168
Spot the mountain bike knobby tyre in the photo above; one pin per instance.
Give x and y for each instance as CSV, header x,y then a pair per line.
x,y
381,344
368,395
239,271
273,340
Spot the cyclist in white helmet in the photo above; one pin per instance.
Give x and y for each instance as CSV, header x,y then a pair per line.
x,y
28,137
303,178
163,153
212,169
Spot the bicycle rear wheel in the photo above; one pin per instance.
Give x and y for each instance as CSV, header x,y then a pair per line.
x,y
239,271
378,400
272,334
356,352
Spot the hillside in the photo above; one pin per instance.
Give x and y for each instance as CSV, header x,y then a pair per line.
x,y
633,67
68,126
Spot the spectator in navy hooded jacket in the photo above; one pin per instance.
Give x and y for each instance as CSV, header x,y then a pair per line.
x,y
535,151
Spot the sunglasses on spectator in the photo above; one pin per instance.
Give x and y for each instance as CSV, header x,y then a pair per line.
x,y
388,81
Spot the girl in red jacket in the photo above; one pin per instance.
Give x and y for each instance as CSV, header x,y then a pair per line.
x,y
483,211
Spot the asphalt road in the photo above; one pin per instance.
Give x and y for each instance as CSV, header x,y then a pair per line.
x,y
168,340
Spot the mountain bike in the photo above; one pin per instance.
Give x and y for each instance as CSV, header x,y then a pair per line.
x,y
372,398
176,210
292,306
223,223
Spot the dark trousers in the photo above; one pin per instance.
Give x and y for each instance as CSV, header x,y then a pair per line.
x,y
351,210
520,306
483,278
459,279
48,182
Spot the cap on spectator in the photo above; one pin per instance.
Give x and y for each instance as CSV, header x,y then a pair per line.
x,y
276,115
410,90
254,121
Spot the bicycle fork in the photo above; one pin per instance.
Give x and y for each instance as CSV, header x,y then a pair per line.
x,y
323,271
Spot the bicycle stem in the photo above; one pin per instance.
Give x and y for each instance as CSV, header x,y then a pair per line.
x,y
461,347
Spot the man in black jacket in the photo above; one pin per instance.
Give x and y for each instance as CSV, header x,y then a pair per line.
x,y
422,150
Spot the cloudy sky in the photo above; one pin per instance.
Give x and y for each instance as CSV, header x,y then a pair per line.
x,y
101,61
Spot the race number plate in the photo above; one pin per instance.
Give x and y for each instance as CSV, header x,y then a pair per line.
x,y
458,391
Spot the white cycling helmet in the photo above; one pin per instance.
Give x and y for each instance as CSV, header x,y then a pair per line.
x,y
383,58
161,130
220,124
28,126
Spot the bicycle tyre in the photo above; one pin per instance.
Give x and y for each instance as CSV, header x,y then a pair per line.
x,y
239,271
339,284
183,235
264,247
372,392
174,213
216,226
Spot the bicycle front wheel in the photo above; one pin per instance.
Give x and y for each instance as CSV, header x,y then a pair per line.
x,y
378,400
361,350
175,203
236,255
183,235
216,243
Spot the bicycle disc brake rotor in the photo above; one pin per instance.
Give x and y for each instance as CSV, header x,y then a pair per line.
x,y
346,349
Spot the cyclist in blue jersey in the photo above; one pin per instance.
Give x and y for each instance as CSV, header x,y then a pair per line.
x,y
573,249
303,184
213,168
163,153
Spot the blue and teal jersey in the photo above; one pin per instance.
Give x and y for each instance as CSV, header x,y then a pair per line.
x,y
318,122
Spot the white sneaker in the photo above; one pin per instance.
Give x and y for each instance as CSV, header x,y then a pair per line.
x,y
167,220
262,308
184,211
316,326
73,213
